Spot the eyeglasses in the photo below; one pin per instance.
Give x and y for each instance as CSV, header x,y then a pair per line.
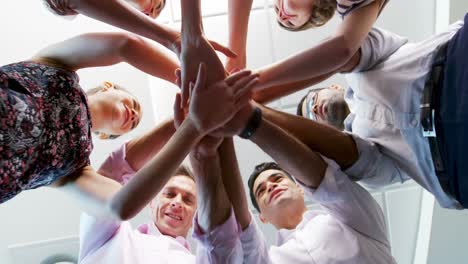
x,y
310,101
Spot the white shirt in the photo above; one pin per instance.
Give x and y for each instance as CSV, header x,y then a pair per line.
x,y
384,95
349,228
108,241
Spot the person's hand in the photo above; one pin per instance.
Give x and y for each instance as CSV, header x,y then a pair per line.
x,y
236,64
212,106
180,113
196,50
237,124
176,47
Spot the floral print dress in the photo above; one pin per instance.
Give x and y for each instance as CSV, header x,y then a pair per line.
x,y
45,126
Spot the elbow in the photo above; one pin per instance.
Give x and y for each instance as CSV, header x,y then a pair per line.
x,y
128,42
345,49
120,211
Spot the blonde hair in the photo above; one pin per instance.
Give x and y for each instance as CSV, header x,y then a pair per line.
x,y
321,13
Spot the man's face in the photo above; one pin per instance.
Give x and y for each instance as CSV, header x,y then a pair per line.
x,y
174,207
274,191
326,106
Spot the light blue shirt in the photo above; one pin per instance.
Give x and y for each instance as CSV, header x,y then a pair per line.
x,y
384,96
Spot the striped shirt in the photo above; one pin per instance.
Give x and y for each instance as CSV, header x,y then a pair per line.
x,y
345,7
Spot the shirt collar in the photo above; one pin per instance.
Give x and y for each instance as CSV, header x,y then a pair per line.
x,y
151,229
284,235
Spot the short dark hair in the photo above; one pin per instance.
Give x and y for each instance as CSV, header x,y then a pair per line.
x,y
183,170
299,106
257,171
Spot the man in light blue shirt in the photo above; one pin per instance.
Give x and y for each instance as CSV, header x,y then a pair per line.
x,y
388,84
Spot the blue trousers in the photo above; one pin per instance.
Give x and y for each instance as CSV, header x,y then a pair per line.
x,y
452,118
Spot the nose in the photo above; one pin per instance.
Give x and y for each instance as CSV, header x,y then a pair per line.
x,y
282,15
176,203
315,108
271,186
135,115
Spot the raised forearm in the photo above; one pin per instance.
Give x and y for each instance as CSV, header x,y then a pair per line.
x,y
191,18
323,59
141,149
292,155
233,184
238,16
149,180
149,58
268,94
213,203
323,139
121,14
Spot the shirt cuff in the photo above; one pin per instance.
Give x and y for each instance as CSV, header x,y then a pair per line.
x,y
116,166
225,235
328,189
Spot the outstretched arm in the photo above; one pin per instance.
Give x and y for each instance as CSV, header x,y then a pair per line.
x,y
232,181
121,14
104,49
141,149
213,204
327,57
289,152
238,22
127,201
323,139
196,49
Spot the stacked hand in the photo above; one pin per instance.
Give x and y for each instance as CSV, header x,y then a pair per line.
x,y
212,106
196,50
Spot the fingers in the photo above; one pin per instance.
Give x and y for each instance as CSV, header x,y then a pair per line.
x,y
242,83
241,89
178,111
185,88
226,51
237,76
178,77
201,78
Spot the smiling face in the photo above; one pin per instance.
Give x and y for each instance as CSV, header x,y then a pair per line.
x,y
174,207
326,106
119,112
151,8
275,193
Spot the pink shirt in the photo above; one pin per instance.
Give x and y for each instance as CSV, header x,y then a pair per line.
x,y
109,241
349,228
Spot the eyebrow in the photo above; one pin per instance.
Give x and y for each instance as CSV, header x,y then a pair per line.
x,y
269,177
188,193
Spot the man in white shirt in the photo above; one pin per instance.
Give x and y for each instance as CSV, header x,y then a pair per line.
x,y
390,106
348,228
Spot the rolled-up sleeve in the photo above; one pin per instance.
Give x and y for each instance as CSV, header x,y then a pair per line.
x,y
220,245
116,166
348,202
373,168
377,47
254,245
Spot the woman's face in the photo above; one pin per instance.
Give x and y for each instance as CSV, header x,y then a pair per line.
x,y
120,111
293,13
151,8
